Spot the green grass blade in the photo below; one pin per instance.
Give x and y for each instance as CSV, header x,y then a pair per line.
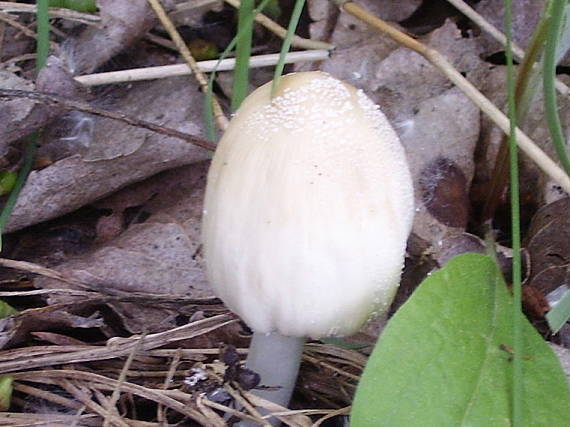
x,y
293,22
42,47
42,50
30,154
243,53
517,372
85,6
560,314
208,111
564,40
549,76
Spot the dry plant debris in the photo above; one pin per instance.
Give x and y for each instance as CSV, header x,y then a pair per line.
x,y
119,326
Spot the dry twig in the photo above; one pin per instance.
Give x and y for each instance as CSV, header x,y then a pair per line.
x,y
149,73
274,27
115,348
70,104
219,116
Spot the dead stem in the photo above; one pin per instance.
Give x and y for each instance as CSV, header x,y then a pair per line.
x,y
115,349
219,115
164,71
123,377
160,410
277,29
70,104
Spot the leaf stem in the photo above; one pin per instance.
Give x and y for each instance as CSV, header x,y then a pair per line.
x,y
517,396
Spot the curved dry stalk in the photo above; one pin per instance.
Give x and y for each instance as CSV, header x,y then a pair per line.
x,y
48,396
341,411
122,379
527,145
221,120
81,395
116,347
97,381
163,71
277,29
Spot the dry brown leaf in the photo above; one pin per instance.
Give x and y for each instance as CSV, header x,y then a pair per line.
x,y
158,256
548,244
117,154
13,112
525,17
349,30
122,23
21,116
16,329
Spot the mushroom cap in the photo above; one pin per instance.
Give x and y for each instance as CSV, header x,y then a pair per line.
x,y
308,207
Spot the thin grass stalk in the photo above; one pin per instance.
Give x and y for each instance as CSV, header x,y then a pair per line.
x,y
517,373
279,31
293,22
208,108
30,154
549,75
243,53
181,46
42,51
526,86
42,46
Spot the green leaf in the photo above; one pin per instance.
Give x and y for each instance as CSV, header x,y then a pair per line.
x,y
6,381
78,5
560,314
7,181
5,392
6,310
445,358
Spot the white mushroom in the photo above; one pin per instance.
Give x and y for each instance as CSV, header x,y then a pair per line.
x,y
308,207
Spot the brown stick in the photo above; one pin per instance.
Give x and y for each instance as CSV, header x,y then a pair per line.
x,y
70,104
